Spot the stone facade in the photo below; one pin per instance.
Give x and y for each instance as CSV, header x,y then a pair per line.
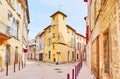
x,y
14,20
80,47
104,18
31,50
40,46
59,41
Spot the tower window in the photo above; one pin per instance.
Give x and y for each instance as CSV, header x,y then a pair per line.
x,y
53,35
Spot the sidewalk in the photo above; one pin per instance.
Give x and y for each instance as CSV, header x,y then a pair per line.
x,y
84,73
11,70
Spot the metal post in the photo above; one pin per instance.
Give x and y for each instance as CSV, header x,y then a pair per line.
x,y
75,72
19,65
22,64
25,60
14,66
6,69
72,73
68,76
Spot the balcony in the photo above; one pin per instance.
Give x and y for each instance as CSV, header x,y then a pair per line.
x,y
5,31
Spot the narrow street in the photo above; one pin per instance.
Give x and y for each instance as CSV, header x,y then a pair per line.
x,y
40,70
59,39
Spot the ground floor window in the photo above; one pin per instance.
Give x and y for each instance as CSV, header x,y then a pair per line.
x,y
49,55
106,52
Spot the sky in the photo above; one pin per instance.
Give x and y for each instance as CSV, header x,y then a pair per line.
x,y
41,10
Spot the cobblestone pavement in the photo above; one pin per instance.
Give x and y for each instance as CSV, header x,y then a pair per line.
x,y
41,70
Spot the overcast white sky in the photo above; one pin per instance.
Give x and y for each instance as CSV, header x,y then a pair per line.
x,y
41,10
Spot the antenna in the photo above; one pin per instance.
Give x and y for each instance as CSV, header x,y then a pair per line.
x,y
59,7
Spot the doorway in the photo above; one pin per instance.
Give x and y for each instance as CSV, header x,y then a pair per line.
x,y
68,56
41,57
16,54
8,55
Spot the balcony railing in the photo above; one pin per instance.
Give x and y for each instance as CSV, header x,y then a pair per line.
x,y
5,29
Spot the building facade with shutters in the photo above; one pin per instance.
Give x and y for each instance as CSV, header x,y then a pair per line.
x,y
57,43
80,47
40,46
104,22
14,20
59,40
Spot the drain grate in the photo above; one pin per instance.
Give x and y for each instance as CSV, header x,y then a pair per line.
x,y
57,69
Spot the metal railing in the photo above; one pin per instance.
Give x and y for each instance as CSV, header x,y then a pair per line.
x,y
5,29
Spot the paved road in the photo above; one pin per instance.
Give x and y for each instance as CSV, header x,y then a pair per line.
x,y
40,70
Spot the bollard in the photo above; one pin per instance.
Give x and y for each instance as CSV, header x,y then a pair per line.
x,y
78,68
22,64
75,72
6,69
19,65
68,76
72,73
14,66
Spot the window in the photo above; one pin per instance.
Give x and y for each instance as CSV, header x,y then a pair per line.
x,y
41,46
53,46
49,55
19,8
72,42
15,27
49,42
9,15
79,46
15,4
106,53
53,35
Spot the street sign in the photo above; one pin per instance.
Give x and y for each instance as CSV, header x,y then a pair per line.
x,y
25,50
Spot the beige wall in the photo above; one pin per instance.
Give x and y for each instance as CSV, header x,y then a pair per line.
x,y
104,19
80,47
40,45
18,14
